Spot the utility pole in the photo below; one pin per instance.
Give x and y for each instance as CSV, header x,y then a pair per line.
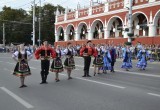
x,y
40,23
4,40
130,19
33,22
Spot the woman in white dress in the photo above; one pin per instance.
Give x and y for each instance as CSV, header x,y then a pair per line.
x,y
22,68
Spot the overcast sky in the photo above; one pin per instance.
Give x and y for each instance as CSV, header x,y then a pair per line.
x,y
26,4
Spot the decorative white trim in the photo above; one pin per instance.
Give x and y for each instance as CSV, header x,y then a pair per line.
x,y
111,12
82,23
141,13
155,16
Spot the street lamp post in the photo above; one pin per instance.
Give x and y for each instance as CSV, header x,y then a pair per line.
x,y
33,22
130,20
40,23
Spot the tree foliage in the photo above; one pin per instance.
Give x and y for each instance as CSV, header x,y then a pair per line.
x,y
21,31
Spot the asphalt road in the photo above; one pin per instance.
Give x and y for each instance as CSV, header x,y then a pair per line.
x,y
133,90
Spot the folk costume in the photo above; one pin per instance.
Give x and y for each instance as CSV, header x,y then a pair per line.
x,y
98,61
86,52
22,68
57,65
69,63
142,59
44,53
127,62
113,58
107,60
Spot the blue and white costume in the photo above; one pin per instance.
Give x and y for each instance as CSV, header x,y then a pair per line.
x,y
142,59
127,62
107,60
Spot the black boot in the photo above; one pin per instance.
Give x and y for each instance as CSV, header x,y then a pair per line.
x,y
85,74
42,76
45,79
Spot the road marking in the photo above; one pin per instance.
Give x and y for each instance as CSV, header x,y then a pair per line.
x,y
141,74
133,73
106,84
157,95
33,68
10,63
17,98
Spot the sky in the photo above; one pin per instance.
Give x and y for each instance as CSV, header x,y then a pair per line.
x,y
26,4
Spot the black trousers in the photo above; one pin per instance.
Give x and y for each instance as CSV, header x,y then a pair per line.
x,y
87,62
44,69
112,65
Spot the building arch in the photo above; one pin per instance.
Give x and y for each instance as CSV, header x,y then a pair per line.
x,y
60,33
82,30
97,29
115,26
70,32
140,20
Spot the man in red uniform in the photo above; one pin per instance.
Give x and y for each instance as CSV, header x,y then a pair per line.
x,y
86,52
44,53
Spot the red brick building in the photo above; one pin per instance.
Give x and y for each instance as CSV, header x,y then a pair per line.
x,y
107,21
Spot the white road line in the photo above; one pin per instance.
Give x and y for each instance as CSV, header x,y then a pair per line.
x,y
11,63
17,98
141,74
133,73
106,84
157,95
33,68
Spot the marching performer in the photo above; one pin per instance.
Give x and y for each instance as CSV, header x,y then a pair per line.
x,y
45,53
142,59
69,63
98,61
22,68
106,59
113,57
127,62
57,65
86,52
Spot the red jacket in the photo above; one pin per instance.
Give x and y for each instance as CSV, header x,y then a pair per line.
x,y
90,51
40,52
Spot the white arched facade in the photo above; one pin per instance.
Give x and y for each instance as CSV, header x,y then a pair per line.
x,y
82,26
70,32
140,28
60,33
112,26
156,23
96,30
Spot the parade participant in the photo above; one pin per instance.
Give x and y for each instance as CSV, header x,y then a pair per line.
x,y
57,65
69,63
45,53
22,68
127,62
113,57
106,59
98,61
86,52
142,59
